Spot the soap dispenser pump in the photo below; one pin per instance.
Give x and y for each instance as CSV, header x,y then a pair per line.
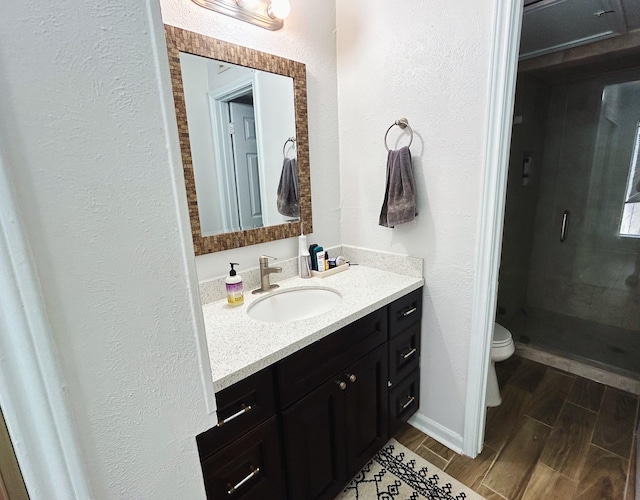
x,y
235,291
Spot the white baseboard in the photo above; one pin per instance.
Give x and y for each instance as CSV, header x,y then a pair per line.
x,y
437,431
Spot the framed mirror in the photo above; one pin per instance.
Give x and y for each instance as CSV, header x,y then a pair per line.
x,y
242,123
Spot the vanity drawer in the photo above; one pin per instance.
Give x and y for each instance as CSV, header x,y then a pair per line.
x,y
303,371
404,400
405,311
404,354
249,468
241,407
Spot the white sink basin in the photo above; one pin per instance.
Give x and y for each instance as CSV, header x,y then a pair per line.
x,y
293,304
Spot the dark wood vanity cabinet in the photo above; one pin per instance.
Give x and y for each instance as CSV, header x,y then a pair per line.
x,y
303,427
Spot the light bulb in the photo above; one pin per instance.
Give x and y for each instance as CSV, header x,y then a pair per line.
x,y
248,4
279,9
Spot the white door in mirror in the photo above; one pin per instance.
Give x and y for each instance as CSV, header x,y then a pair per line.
x,y
245,165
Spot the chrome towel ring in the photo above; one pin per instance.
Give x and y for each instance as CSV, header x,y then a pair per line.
x,y
402,123
284,147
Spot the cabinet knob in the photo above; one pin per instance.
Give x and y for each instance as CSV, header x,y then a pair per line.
x,y
352,377
341,384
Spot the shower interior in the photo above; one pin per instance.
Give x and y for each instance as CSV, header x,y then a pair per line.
x,y
570,260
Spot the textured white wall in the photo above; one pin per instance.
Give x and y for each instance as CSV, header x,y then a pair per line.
x,y
427,61
308,36
86,144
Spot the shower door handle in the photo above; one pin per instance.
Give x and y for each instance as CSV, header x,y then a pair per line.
x,y
565,225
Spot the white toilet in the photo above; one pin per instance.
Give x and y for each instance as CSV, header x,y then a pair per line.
x,y
501,348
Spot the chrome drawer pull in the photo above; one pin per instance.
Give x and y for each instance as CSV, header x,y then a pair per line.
x,y
254,472
244,410
342,384
565,226
408,403
409,354
352,377
410,311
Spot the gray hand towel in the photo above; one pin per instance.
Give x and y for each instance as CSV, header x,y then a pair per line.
x,y
288,189
399,205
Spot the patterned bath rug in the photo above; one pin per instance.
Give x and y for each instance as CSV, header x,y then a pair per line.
x,y
396,473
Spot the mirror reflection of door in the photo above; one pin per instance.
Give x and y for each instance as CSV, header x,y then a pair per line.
x,y
245,164
237,160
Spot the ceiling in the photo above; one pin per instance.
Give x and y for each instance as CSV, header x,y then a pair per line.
x,y
553,25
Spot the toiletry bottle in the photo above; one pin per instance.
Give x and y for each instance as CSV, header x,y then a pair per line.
x,y
235,293
304,260
319,258
326,261
312,254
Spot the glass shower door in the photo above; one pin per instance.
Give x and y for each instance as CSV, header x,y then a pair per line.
x,y
586,250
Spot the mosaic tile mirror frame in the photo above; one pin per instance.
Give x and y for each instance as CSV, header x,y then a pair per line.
x,y
179,40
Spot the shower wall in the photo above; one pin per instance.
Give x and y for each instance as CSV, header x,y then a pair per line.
x,y
528,137
587,153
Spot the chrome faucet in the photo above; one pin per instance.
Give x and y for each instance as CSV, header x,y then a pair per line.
x,y
265,271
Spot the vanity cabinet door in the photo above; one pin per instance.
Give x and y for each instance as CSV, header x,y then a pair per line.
x,y
367,408
331,433
314,441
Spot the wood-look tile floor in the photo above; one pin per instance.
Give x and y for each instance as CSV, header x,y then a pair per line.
x,y
555,436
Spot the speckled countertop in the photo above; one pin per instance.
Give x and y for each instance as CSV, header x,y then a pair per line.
x,y
240,345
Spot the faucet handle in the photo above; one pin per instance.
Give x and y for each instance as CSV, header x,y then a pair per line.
x,y
267,257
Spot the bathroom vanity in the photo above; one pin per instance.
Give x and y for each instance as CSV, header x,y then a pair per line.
x,y
302,426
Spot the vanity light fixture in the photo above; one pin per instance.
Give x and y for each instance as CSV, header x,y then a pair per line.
x,y
279,9
267,14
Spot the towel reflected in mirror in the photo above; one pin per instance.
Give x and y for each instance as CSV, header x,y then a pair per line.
x,y
289,190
